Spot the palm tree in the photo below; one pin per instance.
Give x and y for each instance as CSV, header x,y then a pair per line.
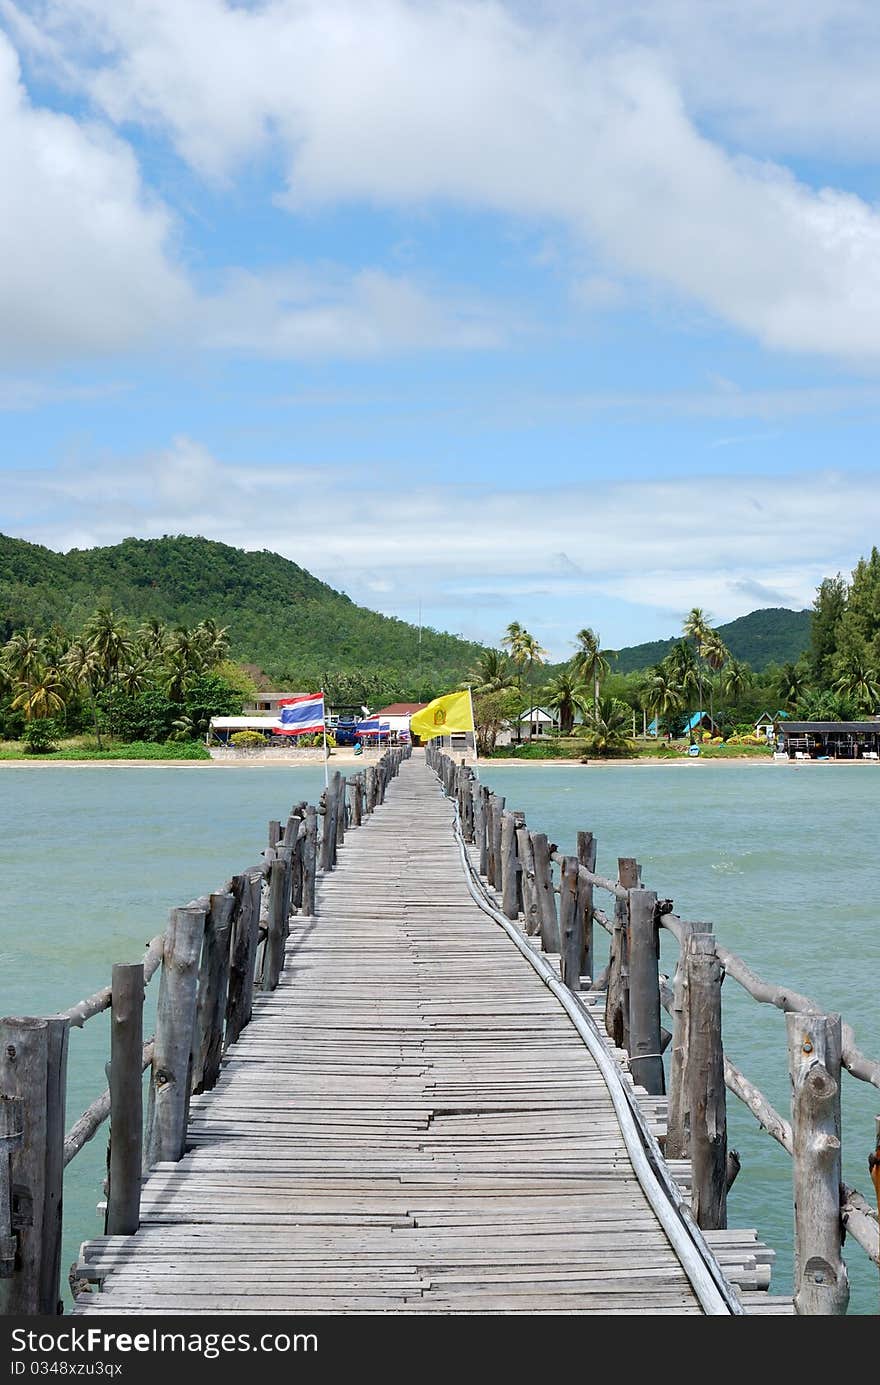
x,y
153,638
859,682
22,657
665,697
682,667
108,633
735,679
494,671
212,641
175,675
715,652
525,652
133,677
591,662
82,666
608,727
696,627
567,695
792,685
43,696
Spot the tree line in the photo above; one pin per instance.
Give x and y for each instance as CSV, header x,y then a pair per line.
x,y
152,683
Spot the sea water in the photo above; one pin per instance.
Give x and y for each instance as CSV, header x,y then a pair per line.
x,y
780,859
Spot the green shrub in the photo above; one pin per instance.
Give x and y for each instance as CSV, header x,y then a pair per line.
x,y
247,740
40,736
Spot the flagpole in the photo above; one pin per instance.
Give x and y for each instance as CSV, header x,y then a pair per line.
x,y
324,727
474,727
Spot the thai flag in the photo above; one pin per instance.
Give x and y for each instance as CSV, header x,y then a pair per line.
x,y
302,714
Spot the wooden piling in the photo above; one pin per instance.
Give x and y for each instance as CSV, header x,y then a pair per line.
x,y
821,1285
545,893
526,857
123,1214
172,1051
33,1072
617,997
571,933
586,854
481,809
213,989
310,861
279,908
508,866
246,890
646,1063
677,1145
704,1075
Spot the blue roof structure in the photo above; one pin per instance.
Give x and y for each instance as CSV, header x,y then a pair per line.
x,y
690,725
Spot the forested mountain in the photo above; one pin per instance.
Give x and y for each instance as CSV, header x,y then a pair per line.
x,y
278,615
771,636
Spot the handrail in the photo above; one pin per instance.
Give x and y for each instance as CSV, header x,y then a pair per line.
x,y
518,864
213,954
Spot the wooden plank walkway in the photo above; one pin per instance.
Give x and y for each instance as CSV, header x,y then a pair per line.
x,y
409,1124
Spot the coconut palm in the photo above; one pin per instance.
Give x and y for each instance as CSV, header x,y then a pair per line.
x,y
494,671
683,670
591,662
665,696
82,667
859,682
23,657
108,634
42,696
152,638
525,653
792,685
735,678
175,675
567,695
133,678
608,727
212,641
697,628
715,652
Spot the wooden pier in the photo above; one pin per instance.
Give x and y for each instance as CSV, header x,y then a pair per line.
x,y
418,1108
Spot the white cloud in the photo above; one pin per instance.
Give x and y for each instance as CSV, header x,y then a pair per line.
x,y
84,262
312,312
722,544
556,113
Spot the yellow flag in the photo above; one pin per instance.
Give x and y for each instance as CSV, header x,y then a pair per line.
x,y
444,714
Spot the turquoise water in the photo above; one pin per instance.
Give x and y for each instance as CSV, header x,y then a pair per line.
x,y
781,859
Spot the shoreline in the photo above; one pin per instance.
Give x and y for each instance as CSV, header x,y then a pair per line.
x,y
684,761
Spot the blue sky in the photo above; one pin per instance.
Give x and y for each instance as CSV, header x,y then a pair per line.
x,y
552,312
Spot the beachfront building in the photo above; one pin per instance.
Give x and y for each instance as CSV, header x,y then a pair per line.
x,y
767,724
266,703
831,740
224,728
540,720
695,725
397,715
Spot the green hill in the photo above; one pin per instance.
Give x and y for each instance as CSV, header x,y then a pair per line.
x,y
279,616
770,636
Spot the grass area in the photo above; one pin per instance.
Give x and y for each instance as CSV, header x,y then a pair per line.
x,y
85,748
565,749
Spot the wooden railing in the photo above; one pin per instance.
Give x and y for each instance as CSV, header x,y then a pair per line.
x,y
215,952
560,908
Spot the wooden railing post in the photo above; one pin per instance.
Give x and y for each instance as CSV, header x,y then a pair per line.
x,y
11,1136
246,891
706,1095
212,993
310,861
545,893
279,910
123,1215
508,866
821,1286
571,930
646,1063
175,1023
496,806
341,811
617,997
586,854
33,1072
526,857
677,1145
482,810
